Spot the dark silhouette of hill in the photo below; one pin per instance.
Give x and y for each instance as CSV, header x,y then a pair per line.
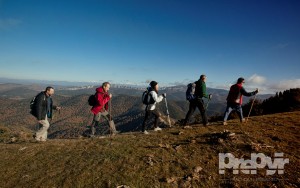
x,y
286,101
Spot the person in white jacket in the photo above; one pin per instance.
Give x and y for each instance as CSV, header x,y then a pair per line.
x,y
152,98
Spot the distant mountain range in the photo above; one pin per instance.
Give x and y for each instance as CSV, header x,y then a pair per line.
x,y
44,82
17,90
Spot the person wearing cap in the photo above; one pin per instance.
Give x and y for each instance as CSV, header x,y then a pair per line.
x,y
235,99
197,102
153,98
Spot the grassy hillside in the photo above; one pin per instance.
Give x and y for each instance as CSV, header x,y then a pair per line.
x,y
175,157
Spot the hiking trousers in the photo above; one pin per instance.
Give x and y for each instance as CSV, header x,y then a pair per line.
x,y
156,118
233,106
42,133
196,103
97,118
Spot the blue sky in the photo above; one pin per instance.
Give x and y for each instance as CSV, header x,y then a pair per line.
x,y
135,41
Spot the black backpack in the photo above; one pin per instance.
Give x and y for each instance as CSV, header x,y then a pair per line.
x,y
145,97
92,100
33,104
190,91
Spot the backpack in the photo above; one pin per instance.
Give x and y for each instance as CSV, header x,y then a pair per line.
x,y
32,105
145,99
92,100
190,91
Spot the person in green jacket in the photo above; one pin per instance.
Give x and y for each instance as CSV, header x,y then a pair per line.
x,y
197,102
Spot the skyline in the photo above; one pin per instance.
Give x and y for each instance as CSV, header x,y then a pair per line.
x,y
172,42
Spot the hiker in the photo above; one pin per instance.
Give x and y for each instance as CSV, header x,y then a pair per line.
x,y
101,108
235,99
153,98
42,109
197,101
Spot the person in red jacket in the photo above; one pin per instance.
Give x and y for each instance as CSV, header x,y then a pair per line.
x,y
235,99
100,109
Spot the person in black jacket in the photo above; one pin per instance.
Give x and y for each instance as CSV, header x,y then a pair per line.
x,y
42,110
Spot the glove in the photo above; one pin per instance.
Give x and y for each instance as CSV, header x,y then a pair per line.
x,y
164,95
209,96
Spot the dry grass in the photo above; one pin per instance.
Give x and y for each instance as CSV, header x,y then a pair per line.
x,y
171,158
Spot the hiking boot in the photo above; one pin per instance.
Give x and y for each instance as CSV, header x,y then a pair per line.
x,y
39,139
157,129
224,123
34,141
184,123
93,130
181,122
115,132
112,126
145,132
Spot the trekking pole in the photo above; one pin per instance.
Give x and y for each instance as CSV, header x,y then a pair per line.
x,y
110,131
207,104
168,112
209,98
50,121
250,108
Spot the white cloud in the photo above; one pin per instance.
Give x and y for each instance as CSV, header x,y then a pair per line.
x,y
9,23
256,80
264,86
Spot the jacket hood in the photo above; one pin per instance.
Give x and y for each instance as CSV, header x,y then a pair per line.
x,y
99,90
